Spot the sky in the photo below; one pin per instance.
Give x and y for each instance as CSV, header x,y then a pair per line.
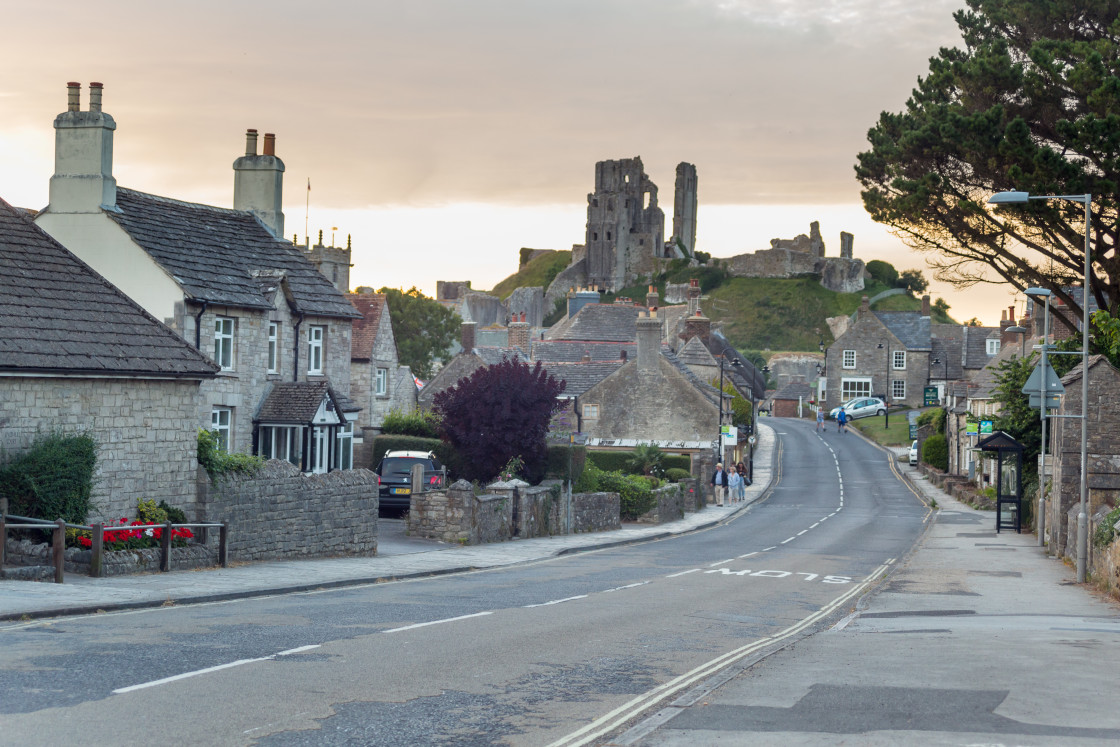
x,y
444,135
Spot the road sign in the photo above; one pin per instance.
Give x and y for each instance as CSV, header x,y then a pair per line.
x,y
1044,380
913,431
730,435
929,396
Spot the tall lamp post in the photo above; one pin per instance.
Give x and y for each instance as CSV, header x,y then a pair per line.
x,y
1013,198
1040,520
887,392
735,363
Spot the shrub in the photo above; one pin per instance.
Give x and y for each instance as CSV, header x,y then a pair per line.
x,y
934,417
676,474
645,459
620,461
53,480
217,462
588,481
149,513
418,422
935,452
1106,531
634,493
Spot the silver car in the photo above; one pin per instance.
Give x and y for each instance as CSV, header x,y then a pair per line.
x,y
860,407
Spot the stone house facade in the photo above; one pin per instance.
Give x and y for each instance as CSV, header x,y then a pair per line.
x,y
378,383
222,279
883,353
78,356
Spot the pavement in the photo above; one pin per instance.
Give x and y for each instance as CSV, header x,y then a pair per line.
x,y
398,557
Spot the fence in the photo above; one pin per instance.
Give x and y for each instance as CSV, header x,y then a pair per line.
x,y
97,540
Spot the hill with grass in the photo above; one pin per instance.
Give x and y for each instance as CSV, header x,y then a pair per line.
x,y
539,271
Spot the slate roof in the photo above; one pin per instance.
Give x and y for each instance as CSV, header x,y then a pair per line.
x,y
364,335
297,402
948,352
212,253
599,321
910,327
794,390
695,353
743,376
491,355
57,315
572,351
579,377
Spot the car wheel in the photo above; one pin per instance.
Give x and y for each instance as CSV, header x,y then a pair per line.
x,y
880,411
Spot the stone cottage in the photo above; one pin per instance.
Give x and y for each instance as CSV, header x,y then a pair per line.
x,y
222,279
77,355
378,383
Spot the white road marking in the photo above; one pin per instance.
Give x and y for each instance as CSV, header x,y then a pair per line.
x,y
791,539
436,622
544,604
802,532
628,586
814,526
713,565
207,670
683,573
749,554
772,547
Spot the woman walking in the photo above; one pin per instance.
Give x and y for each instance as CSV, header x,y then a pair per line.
x,y
744,481
734,482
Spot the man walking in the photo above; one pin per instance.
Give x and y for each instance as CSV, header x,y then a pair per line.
x,y
719,483
841,420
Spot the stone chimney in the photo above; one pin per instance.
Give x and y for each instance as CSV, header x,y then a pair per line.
x,y
925,305
693,296
864,307
519,333
466,336
1006,322
652,298
698,325
649,344
83,156
258,182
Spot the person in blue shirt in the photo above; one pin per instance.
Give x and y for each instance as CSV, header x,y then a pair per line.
x,y
841,421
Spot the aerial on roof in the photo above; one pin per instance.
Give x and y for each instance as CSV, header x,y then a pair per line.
x,y
217,254
58,315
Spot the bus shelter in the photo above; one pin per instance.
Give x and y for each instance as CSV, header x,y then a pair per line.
x,y
1009,479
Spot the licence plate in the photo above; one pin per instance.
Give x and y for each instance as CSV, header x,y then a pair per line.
x,y
401,491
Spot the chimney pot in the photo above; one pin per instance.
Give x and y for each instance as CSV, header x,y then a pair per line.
x,y
925,305
250,142
269,144
73,97
95,97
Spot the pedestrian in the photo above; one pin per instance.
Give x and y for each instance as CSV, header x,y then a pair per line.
x,y
820,419
744,480
734,482
841,420
719,483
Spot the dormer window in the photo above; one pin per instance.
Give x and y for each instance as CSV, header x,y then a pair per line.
x,y
993,346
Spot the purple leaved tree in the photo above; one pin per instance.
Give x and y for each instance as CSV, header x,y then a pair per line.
x,y
497,413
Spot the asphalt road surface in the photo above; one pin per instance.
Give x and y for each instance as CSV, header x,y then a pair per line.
x,y
567,651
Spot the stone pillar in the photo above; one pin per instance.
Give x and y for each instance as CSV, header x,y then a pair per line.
x,y
846,240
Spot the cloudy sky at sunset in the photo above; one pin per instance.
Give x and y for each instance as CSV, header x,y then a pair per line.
x,y
444,135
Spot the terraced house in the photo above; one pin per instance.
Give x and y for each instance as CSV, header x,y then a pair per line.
x,y
225,281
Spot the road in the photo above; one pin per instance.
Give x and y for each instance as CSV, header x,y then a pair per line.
x,y
564,652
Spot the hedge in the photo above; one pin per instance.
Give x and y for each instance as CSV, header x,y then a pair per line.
x,y
635,493
53,480
935,452
557,467
618,461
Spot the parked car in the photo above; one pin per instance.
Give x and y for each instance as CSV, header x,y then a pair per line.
x,y
860,407
395,474
914,454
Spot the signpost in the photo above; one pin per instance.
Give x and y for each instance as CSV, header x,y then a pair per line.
x,y
985,427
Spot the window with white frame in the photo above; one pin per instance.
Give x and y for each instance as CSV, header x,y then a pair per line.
x,y
899,362
591,411
223,342
993,346
852,388
316,340
273,347
344,454
849,359
381,382
898,389
221,420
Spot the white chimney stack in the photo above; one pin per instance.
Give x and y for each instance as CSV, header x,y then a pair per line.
x,y
83,156
649,344
258,182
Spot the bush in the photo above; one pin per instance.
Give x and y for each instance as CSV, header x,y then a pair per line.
x,y
935,452
677,474
934,417
634,493
217,462
882,271
619,461
53,480
418,422
1106,532
558,462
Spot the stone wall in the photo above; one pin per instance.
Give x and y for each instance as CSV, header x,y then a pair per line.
x,y
669,506
146,432
282,513
595,512
114,563
692,497
786,368
529,301
572,276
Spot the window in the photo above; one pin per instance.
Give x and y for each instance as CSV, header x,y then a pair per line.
x,y
220,420
273,347
591,411
345,451
852,388
849,359
899,362
608,235
280,442
898,389
993,346
381,382
223,342
316,337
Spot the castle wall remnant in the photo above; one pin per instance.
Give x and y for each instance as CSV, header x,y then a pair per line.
x,y
803,255
624,222
684,207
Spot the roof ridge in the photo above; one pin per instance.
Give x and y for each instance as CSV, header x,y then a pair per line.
x,y
185,203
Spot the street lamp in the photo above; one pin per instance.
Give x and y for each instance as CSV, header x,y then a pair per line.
x,y
1012,198
1022,332
1040,520
735,363
887,392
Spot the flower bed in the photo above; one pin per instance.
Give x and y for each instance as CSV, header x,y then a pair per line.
x,y
138,535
